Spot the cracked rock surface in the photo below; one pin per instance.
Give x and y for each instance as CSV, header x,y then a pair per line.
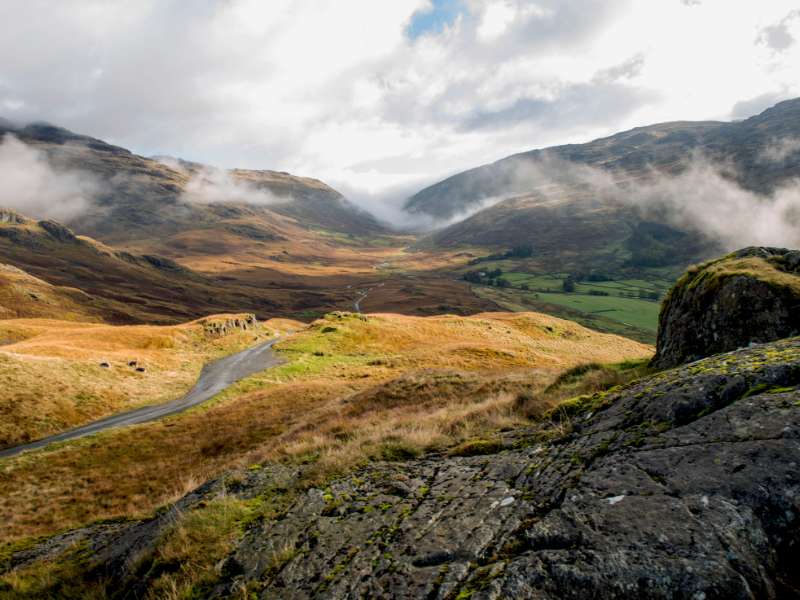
x,y
682,485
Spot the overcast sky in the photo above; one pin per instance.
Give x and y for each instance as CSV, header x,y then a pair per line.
x,y
375,95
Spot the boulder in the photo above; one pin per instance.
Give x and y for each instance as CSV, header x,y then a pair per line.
x,y
747,297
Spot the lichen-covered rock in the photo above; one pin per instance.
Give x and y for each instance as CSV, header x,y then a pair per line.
x,y
750,296
682,485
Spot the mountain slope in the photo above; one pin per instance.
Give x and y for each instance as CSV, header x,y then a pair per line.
x,y
145,200
122,287
760,149
629,199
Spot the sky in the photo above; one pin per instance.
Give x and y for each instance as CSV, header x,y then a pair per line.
x,y
379,98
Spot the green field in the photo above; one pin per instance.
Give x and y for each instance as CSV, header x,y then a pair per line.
x,y
622,311
628,311
554,281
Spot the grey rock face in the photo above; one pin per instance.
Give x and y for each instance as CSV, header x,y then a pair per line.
x,y
707,312
682,485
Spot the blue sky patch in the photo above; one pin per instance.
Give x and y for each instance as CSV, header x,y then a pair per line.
x,y
435,19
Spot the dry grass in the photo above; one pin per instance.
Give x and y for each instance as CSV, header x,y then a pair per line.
x,y
757,268
57,374
24,296
354,388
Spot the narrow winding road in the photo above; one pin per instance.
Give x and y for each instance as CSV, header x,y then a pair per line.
x,y
214,378
357,303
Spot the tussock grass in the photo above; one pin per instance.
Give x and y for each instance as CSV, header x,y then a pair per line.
x,y
377,387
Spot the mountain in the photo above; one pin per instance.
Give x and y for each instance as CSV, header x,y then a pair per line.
x,y
143,198
747,145
583,200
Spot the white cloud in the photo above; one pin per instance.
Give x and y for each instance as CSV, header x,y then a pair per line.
x,y
31,186
321,88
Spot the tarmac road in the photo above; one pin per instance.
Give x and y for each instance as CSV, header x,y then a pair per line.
x,y
214,378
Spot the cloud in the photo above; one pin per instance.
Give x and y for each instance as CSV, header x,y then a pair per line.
x,y
388,206
703,198
211,185
779,36
780,150
31,186
317,87
753,106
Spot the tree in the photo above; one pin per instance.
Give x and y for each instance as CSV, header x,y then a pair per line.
x,y
522,251
568,285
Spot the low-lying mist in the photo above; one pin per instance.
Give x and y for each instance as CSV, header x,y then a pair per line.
x,y
212,185
704,197
33,187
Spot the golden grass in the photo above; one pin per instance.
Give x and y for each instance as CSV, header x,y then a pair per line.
x,y
53,374
23,295
353,389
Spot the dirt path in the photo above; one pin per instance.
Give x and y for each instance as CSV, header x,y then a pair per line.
x,y
214,378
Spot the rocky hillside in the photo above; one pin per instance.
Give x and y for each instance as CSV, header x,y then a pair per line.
x,y
748,297
681,485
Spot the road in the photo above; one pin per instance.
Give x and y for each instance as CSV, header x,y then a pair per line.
x,y
214,378
364,294
357,303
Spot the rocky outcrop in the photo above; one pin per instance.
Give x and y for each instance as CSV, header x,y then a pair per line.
x,y
750,296
12,217
219,326
681,485
58,232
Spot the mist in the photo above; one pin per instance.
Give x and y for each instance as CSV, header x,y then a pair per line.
x,y
705,197
388,207
212,185
33,187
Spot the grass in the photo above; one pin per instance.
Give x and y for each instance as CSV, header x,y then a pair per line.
x,y
517,300
576,389
185,560
55,375
612,306
638,313
383,386
25,296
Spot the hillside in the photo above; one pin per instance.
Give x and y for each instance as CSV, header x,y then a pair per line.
x,y
353,388
753,148
115,286
24,296
58,374
145,199
164,240
617,201
680,484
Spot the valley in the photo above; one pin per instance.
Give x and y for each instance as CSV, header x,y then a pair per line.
x,y
197,353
